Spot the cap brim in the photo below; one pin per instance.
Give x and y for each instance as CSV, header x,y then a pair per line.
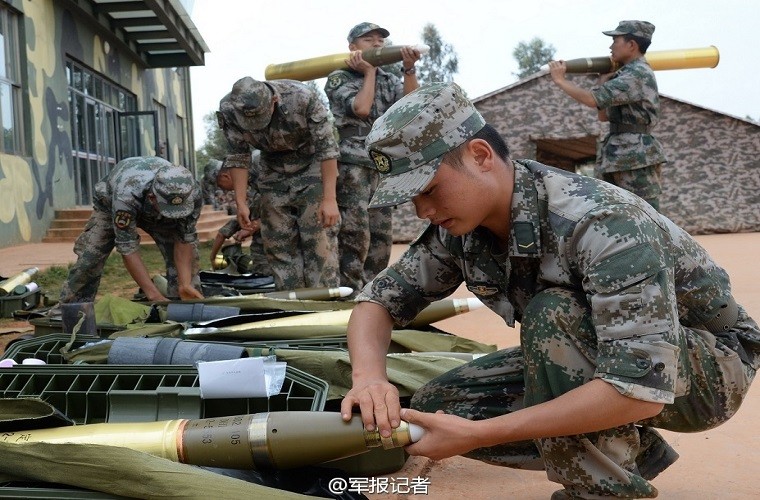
x,y
398,189
256,122
613,33
171,211
174,211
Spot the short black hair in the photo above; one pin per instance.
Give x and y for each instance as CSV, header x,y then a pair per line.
x,y
488,134
643,43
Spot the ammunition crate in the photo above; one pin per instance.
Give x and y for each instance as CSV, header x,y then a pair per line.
x,y
90,394
11,303
121,393
45,347
51,325
48,347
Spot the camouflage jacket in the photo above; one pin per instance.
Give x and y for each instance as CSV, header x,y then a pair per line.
x,y
124,192
297,139
630,98
341,89
641,273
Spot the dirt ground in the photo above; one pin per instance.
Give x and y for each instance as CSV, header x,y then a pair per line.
x,y
717,464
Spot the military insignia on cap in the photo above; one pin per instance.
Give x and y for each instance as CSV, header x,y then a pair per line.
x,y
177,200
382,161
122,219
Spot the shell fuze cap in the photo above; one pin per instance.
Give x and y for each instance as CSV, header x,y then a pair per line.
x,y
174,187
408,142
641,29
250,102
364,28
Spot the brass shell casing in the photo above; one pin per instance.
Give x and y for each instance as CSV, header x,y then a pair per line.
x,y
318,67
275,440
704,57
157,438
220,262
22,278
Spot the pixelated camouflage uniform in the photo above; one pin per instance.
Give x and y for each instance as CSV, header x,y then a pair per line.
x,y
208,186
366,235
259,262
121,206
604,287
630,156
301,253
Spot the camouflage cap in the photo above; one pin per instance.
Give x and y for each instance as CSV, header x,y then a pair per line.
x,y
364,28
250,103
641,29
174,188
408,142
211,171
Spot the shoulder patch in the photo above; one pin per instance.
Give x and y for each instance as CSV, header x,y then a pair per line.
x,y
122,219
525,237
336,80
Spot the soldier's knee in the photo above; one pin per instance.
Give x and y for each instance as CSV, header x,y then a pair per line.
x,y
428,399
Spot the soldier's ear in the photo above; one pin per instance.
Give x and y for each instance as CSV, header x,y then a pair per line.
x,y
482,152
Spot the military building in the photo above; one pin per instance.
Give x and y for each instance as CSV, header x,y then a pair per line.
x,y
83,84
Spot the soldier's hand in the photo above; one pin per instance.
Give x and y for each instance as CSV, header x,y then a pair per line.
x,y
445,435
187,292
409,56
356,62
379,403
244,217
557,69
244,234
155,297
328,213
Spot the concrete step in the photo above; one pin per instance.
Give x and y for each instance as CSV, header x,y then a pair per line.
x,y
69,224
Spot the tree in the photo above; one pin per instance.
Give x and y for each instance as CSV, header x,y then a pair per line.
x,y
215,146
530,56
441,63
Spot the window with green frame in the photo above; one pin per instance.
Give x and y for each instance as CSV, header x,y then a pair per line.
x,y
11,119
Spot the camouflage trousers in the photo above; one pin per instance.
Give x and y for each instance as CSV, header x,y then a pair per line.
x,y
558,354
644,182
365,236
93,247
301,253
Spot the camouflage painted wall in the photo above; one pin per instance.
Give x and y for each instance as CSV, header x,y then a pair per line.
x,y
34,186
712,183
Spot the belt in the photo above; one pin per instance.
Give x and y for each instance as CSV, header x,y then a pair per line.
x,y
726,318
354,131
628,128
